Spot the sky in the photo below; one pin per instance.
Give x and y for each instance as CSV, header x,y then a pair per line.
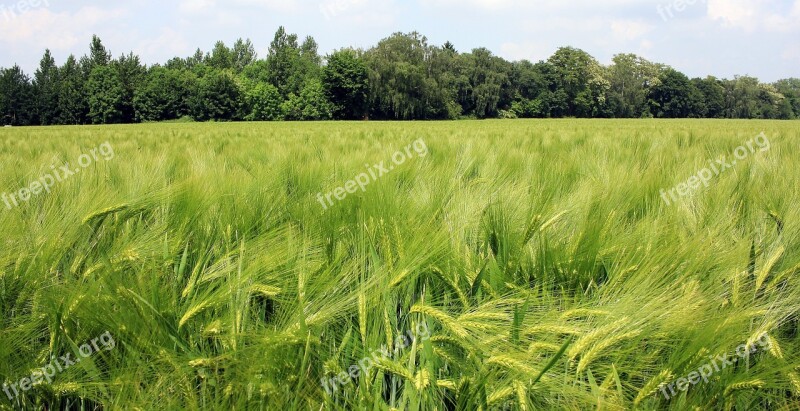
x,y
724,38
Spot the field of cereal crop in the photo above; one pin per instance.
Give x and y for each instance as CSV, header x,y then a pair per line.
x,y
526,265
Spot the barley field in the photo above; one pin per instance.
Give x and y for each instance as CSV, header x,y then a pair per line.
x,y
502,265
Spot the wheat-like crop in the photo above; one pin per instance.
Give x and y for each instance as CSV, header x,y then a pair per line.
x,y
528,264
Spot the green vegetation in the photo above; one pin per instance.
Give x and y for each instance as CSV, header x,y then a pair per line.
x,y
403,77
539,255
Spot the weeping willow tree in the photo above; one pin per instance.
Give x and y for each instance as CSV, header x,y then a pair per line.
x,y
405,81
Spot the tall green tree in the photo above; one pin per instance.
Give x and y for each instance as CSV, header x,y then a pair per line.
x,y
106,96
580,76
630,78
713,93
674,96
790,88
243,54
488,76
403,81
311,104
450,71
131,74
216,97
99,55
163,95
221,57
16,97
262,102
73,106
284,54
46,82
346,82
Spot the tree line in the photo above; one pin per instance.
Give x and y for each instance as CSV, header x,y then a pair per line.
x,y
401,78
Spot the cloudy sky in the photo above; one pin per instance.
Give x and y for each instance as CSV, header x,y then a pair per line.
x,y
719,37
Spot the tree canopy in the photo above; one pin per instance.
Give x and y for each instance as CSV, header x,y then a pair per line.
x,y
403,77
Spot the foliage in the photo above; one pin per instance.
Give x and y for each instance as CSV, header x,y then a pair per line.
x,y
630,78
262,102
404,84
106,95
674,96
164,95
17,103
46,84
346,82
311,104
73,107
403,77
579,75
216,97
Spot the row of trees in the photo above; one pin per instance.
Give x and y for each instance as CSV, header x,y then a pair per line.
x,y
402,77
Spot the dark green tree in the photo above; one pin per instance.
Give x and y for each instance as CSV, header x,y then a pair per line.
x,y
243,54
311,104
46,82
262,102
790,88
404,81
580,76
216,97
282,62
131,74
164,95
488,75
772,104
346,83
73,106
713,95
221,57
98,56
106,95
674,96
16,97
630,78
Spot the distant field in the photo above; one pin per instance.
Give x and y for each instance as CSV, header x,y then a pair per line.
x,y
510,265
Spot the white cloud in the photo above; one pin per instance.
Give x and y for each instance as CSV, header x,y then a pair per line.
x,y
281,5
168,44
792,54
734,13
196,6
527,5
211,6
42,28
629,29
532,51
769,15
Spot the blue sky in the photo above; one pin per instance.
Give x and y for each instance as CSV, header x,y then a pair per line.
x,y
698,37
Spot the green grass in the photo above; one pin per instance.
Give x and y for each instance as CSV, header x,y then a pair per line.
x,y
539,255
